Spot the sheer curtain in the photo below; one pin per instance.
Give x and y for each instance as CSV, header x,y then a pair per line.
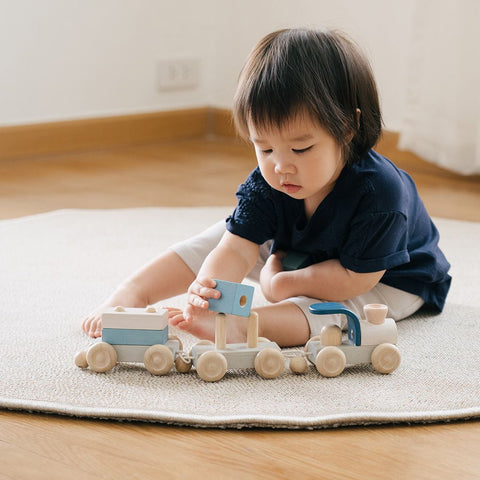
x,y
442,123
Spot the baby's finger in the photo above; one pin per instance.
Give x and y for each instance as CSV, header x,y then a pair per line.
x,y
206,292
207,282
203,290
197,301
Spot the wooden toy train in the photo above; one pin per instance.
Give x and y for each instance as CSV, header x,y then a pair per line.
x,y
141,336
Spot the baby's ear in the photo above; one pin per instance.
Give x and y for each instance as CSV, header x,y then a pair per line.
x,y
359,113
350,136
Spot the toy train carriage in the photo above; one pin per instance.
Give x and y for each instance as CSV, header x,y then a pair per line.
x,y
369,341
134,335
212,360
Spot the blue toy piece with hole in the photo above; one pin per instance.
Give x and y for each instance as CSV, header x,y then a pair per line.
x,y
235,298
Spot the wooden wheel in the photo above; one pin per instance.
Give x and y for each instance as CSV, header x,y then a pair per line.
x,y
316,338
211,366
298,365
101,357
81,359
201,342
183,365
330,361
386,358
158,359
269,363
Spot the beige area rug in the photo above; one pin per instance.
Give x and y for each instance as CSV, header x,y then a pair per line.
x,y
55,267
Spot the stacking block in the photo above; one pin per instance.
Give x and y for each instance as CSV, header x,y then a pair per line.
x,y
137,318
135,326
132,336
236,298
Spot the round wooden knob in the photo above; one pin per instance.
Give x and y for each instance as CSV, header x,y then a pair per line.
x,y
375,313
331,335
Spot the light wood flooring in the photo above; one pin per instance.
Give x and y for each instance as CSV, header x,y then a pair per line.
x,y
206,172
182,173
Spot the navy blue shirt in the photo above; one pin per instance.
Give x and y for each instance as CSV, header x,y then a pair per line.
x,y
372,220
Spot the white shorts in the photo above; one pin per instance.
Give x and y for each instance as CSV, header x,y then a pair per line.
x,y
401,304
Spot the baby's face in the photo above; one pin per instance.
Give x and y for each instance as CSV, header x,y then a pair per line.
x,y
300,159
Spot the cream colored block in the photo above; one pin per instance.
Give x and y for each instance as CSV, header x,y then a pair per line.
x,y
135,318
373,334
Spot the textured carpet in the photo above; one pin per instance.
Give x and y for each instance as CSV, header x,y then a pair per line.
x,y
56,267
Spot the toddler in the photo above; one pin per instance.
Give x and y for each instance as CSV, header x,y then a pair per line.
x,y
307,101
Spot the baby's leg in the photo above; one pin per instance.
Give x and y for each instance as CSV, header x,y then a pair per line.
x,y
164,277
400,305
283,323
168,275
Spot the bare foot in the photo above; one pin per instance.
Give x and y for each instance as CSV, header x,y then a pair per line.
x,y
203,326
92,324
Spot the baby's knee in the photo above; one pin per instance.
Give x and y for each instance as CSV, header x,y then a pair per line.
x,y
317,322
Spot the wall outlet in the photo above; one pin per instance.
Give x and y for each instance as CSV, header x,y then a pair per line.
x,y
178,74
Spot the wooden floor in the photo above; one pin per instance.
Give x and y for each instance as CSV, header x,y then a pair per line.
x,y
183,173
206,172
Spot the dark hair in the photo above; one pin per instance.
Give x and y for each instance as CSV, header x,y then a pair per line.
x,y
321,72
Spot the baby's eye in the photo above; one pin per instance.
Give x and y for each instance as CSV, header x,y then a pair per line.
x,y
268,150
301,150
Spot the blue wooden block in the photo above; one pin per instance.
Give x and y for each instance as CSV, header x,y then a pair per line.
x,y
130,336
236,298
243,300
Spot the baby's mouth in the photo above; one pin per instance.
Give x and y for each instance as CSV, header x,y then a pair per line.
x,y
290,188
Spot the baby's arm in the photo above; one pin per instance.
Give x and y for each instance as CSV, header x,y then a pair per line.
x,y
231,260
327,280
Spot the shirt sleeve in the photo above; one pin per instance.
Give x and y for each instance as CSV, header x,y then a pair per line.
x,y
377,241
254,216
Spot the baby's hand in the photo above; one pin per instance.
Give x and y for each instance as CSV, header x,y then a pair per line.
x,y
198,294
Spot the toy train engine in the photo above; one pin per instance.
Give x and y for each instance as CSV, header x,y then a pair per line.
x,y
368,341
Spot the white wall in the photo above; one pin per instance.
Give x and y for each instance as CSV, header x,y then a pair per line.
x,y
71,59
67,59
381,27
